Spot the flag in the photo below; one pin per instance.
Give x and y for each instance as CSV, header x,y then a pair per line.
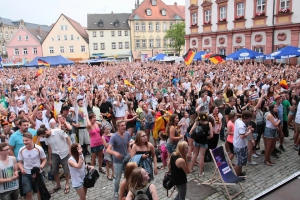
x,y
126,82
74,76
39,72
283,84
42,62
189,56
216,58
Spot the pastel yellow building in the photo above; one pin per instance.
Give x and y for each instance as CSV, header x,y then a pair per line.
x,y
149,23
67,38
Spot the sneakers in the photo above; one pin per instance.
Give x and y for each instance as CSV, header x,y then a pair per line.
x,y
200,175
282,148
254,155
274,154
296,147
252,163
277,151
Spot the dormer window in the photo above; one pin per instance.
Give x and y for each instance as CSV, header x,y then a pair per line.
x,y
163,12
116,23
100,23
153,2
148,12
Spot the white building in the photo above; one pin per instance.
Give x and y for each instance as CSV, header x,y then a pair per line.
x,y
109,35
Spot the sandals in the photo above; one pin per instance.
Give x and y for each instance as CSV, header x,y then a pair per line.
x,y
55,190
67,190
272,163
102,171
110,179
268,163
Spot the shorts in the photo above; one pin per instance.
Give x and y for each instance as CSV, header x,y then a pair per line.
x,y
230,147
27,183
270,133
97,149
187,135
292,113
83,136
149,125
130,125
79,187
254,136
297,128
171,147
241,155
200,145
56,161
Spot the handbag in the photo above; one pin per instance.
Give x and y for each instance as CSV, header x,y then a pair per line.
x,y
90,178
197,134
168,182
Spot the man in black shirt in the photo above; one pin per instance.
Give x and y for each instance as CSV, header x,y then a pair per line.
x,y
106,108
230,108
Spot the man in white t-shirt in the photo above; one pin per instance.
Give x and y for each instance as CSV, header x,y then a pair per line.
x,y
203,103
241,131
31,155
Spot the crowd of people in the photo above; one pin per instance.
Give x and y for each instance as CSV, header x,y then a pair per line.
x,y
127,116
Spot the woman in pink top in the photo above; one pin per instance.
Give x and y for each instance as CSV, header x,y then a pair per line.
x,y
96,141
230,131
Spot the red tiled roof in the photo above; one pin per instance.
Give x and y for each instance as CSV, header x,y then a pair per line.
x,y
171,11
78,27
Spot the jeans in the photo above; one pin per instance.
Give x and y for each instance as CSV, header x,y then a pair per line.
x,y
118,168
10,195
181,191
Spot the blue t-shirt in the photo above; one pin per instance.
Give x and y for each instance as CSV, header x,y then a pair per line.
x,y
16,140
120,145
175,81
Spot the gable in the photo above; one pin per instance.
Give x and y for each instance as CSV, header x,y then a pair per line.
x,y
206,3
193,7
22,31
136,17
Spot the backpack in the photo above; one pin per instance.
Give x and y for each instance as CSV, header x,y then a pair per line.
x,y
198,133
141,194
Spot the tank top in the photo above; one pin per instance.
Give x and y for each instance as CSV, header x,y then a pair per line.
x,y
7,171
107,138
269,123
206,130
130,116
149,118
77,175
176,135
178,175
95,136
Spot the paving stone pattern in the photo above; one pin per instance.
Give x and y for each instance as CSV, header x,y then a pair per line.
x,y
259,178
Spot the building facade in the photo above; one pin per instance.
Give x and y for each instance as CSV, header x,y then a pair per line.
x,y
26,43
149,23
67,38
109,35
225,26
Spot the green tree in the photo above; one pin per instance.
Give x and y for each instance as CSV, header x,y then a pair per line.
x,y
176,34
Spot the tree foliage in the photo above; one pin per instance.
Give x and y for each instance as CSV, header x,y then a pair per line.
x,y
176,34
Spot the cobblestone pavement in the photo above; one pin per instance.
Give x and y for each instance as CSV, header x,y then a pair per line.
x,y
259,178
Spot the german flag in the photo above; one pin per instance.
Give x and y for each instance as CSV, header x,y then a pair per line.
x,y
126,82
39,72
216,58
42,62
284,84
188,57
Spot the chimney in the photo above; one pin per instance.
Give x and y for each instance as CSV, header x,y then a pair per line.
x,y
175,4
39,30
138,3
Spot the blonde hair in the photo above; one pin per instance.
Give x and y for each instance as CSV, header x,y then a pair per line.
x,y
135,181
180,149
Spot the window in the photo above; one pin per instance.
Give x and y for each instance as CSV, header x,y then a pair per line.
x,y
120,45
71,49
66,27
148,12
165,42
137,26
240,9
170,25
26,37
119,33
150,26
126,33
137,43
101,33
144,43
77,38
151,43
194,18
157,26
259,49
71,37
163,12
112,33
11,34
237,49
62,49
62,27
143,26
82,48
153,2
19,37
223,51
126,45
102,46
113,45
94,34
58,37
284,4
6,35
171,42
17,52
164,26
34,51
223,12
157,42
51,50
207,16
260,6
66,37
95,45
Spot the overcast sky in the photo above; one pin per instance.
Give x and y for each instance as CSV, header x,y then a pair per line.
x,y
47,11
